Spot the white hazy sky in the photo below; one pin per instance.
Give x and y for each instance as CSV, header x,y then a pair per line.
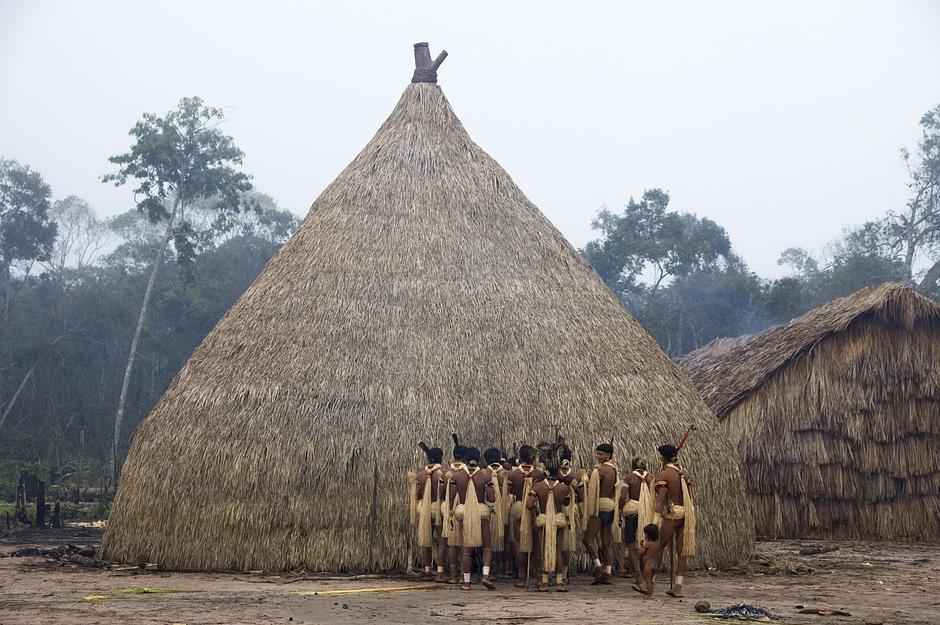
x,y
781,121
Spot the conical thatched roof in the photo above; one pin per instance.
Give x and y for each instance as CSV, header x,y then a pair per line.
x,y
423,294
727,370
836,417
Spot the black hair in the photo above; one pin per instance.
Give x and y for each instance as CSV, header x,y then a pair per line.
x,y
668,451
472,456
459,450
435,454
564,452
607,448
492,455
527,454
544,449
638,462
651,532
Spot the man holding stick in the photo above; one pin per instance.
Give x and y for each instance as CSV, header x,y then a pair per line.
x,y
675,513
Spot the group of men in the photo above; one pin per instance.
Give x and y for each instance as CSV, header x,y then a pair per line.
x,y
525,514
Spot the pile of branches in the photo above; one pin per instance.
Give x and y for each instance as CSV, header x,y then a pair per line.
x,y
74,554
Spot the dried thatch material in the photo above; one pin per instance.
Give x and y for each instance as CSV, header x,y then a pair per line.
x,y
837,416
423,294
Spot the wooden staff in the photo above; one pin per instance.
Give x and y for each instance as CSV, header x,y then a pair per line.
x,y
685,437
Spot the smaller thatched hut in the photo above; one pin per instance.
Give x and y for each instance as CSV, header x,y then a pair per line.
x,y
836,416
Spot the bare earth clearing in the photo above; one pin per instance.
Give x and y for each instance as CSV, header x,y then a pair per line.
x,y
876,583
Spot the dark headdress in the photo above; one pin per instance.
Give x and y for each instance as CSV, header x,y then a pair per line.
x,y
551,458
668,451
527,453
472,456
492,455
460,451
435,454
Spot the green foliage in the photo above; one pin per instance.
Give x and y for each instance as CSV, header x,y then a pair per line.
x,y
700,291
26,231
786,298
102,509
910,236
9,473
646,236
7,508
178,159
76,329
701,306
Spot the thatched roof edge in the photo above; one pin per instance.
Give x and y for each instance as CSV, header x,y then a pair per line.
x,y
726,371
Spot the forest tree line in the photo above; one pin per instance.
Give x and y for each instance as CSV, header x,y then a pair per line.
x,y
98,315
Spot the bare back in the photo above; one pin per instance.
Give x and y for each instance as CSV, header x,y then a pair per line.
x,y
608,476
633,483
461,481
557,489
518,476
422,479
673,485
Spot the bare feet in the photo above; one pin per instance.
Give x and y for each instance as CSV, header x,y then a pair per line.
x,y
675,591
465,586
641,589
520,583
561,588
541,588
440,578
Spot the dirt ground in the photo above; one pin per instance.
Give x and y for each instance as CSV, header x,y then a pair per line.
x,y
875,582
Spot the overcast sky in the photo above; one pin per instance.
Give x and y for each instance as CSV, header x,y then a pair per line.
x,y
782,121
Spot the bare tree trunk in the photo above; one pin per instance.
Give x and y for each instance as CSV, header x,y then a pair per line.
x,y
930,279
9,408
132,356
81,459
41,506
911,248
29,373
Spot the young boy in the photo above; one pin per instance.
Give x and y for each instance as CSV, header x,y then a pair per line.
x,y
649,552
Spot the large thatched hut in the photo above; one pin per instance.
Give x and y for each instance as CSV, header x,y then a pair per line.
x,y
836,416
423,294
